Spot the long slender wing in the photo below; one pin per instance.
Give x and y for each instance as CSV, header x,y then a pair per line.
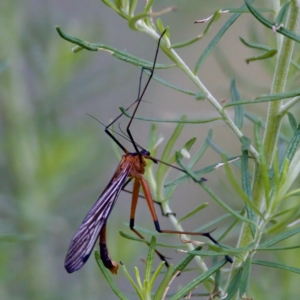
x,y
86,236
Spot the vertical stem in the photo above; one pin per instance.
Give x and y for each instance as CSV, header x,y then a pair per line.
x,y
279,82
272,125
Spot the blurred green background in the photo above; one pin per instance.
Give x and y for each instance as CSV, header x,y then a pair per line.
x,y
55,160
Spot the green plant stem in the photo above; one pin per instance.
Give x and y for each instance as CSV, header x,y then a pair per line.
x,y
272,127
287,106
276,7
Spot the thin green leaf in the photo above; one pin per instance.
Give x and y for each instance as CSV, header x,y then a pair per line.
x,y
184,149
153,144
254,45
138,279
136,288
77,41
157,272
146,290
132,6
136,239
275,175
178,121
239,109
132,21
269,24
189,144
293,193
285,165
217,280
115,8
212,223
215,18
245,277
278,248
192,285
263,164
267,98
145,15
216,39
282,13
280,237
294,144
228,229
209,253
122,55
280,182
292,121
161,28
201,151
278,96
265,55
234,284
200,172
283,222
150,258
107,275
140,229
164,283
187,43
240,191
222,250
246,10
246,184
148,6
166,83
109,3
222,152
275,265
193,212
285,211
281,151
163,169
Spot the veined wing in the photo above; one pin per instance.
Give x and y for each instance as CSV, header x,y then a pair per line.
x,y
86,236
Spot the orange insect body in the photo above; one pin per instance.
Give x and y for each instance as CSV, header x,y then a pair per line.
x,y
105,257
138,164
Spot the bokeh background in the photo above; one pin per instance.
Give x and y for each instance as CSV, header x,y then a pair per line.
x,y
55,160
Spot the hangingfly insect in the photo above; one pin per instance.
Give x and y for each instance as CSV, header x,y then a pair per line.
x,y
131,167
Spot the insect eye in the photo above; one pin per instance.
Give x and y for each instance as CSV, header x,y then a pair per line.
x,y
145,152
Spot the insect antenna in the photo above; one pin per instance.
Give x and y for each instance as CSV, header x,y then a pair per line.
x,y
123,135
